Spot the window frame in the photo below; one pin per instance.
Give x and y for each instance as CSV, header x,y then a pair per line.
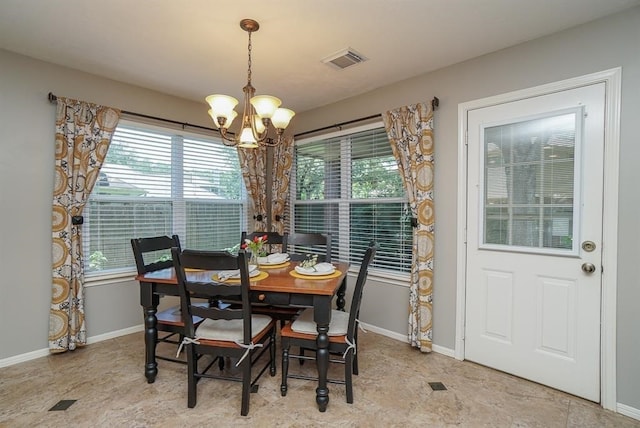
x,y
345,201
177,135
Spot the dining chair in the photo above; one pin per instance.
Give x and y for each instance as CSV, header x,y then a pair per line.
x,y
299,245
152,254
275,243
227,330
343,335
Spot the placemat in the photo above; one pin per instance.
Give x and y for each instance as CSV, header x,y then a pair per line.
x,y
284,264
260,276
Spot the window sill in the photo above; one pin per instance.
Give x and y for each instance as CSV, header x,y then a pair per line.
x,y
96,279
384,276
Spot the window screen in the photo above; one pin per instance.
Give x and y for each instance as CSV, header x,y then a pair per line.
x,y
156,182
349,186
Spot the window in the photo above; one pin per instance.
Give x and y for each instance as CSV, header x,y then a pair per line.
x,y
348,185
156,182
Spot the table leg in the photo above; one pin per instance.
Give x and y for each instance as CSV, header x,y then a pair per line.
x,y
322,315
149,301
340,302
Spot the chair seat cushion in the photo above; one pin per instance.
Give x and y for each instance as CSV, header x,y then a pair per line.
x,y
305,324
230,330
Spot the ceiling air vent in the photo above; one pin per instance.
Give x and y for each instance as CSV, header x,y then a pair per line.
x,y
345,58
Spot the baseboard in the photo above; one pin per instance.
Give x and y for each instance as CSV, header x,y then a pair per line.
x,y
114,334
623,409
403,338
17,359
388,333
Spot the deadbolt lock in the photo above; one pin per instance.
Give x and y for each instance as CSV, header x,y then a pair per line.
x,y
588,246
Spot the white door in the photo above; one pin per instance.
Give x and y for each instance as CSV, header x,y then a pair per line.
x,y
534,232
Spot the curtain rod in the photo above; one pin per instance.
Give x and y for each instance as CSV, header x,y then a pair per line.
x,y
435,102
53,98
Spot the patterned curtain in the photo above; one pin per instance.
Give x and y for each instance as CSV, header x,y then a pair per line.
x,y
83,134
282,164
410,131
254,173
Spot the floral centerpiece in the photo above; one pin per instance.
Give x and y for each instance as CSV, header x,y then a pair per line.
x,y
256,246
310,261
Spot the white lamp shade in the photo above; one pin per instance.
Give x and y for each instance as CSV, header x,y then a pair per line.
x,y
222,106
282,117
247,139
265,105
229,118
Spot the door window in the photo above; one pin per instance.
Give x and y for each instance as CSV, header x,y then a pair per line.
x,y
530,186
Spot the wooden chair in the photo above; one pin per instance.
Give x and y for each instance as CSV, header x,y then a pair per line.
x,y
275,241
299,245
152,254
227,331
343,335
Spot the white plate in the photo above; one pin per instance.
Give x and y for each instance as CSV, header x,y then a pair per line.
x,y
275,264
303,271
253,271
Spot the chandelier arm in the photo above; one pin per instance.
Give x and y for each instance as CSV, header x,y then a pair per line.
x,y
227,140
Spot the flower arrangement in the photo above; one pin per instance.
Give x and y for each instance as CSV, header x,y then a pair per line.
x,y
310,261
255,245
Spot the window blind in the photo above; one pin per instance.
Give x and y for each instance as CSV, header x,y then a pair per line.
x,y
155,182
348,185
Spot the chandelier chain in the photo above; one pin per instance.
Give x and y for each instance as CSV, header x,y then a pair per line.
x,y
249,62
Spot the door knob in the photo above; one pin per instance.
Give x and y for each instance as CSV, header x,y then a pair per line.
x,y
588,267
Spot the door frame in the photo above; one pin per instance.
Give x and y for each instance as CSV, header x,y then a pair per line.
x,y
613,82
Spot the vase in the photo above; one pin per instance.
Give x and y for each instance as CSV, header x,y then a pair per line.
x,y
253,259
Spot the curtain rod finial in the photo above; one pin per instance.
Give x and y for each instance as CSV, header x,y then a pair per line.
x,y
435,102
52,98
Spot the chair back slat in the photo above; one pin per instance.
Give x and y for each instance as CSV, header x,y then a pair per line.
x,y
275,241
358,289
153,253
301,244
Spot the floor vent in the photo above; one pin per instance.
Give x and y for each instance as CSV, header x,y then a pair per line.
x,y
345,58
62,405
437,386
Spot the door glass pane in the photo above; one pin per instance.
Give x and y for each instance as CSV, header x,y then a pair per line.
x,y
529,182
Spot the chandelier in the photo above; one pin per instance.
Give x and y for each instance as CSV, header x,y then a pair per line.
x,y
258,114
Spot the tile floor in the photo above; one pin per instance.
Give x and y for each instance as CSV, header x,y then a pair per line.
x,y
392,390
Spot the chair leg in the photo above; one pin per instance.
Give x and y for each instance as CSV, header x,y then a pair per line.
x,y
285,368
246,385
272,353
348,379
192,369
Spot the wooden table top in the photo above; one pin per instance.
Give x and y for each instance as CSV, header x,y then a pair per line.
x,y
279,280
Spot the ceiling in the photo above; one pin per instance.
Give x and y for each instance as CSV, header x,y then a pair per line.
x,y
193,48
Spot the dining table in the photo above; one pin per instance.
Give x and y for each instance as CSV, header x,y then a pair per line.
x,y
281,286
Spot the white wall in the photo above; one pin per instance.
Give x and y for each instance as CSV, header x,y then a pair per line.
x,y
26,178
600,45
26,182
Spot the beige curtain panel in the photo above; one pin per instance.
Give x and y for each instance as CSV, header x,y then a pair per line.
x,y
410,131
282,164
254,173
83,134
